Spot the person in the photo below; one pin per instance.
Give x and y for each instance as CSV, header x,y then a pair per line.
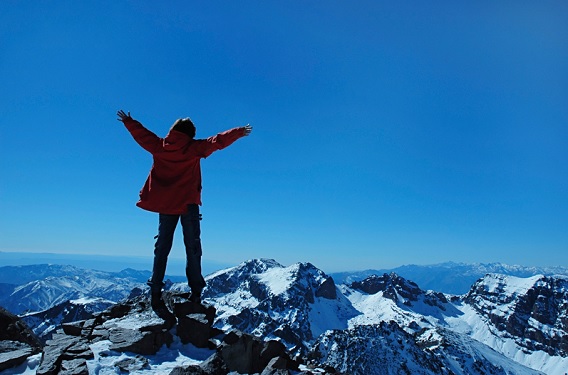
x,y
173,190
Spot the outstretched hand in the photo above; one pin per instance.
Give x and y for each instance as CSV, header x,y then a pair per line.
x,y
248,129
123,116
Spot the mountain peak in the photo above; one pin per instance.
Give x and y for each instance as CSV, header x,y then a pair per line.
x,y
392,286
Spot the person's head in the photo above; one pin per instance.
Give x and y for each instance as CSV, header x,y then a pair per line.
x,y
184,125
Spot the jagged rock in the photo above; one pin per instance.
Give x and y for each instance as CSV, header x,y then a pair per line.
x,y
190,370
276,366
247,354
13,353
89,326
132,364
195,323
214,365
80,349
53,352
99,334
76,366
195,329
327,289
117,311
12,328
537,316
140,342
182,309
391,285
273,349
73,328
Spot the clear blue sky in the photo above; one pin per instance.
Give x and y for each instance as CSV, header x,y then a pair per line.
x,y
385,132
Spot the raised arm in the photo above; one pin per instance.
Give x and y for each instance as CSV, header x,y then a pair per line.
x,y
145,138
222,140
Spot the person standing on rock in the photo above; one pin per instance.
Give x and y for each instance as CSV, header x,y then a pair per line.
x,y
173,190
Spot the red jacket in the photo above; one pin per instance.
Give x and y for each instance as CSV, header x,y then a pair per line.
x,y
175,178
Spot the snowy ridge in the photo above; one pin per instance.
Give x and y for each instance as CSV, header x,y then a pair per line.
x,y
294,304
57,284
268,299
451,277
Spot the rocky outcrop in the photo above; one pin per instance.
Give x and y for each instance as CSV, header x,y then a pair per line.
x,y
533,311
17,341
391,285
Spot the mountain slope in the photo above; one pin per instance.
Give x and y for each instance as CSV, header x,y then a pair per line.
x,y
273,301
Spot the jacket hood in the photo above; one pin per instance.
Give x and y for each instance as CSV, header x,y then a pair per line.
x,y
176,140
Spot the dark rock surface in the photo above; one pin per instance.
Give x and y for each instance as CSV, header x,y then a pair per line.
x,y
17,341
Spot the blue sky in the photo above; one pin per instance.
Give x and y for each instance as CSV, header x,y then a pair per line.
x,y
385,133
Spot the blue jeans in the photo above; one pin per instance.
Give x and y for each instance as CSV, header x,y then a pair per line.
x,y
192,241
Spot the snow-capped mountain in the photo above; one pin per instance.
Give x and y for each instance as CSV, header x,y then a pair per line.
x,y
450,277
45,286
45,323
381,324
302,306
294,304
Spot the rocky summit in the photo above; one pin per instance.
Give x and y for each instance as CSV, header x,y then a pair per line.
x,y
130,336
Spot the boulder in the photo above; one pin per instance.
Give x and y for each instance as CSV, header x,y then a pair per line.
x,y
139,342
77,366
276,366
132,364
12,328
247,354
53,352
214,365
13,353
195,329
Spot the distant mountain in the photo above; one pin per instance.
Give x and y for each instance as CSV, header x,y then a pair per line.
x,y
450,277
41,287
45,323
388,324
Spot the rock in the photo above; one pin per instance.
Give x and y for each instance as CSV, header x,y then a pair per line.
x,y
135,341
190,370
12,328
53,352
327,289
195,329
80,349
132,364
73,328
273,349
182,309
276,366
89,326
76,366
117,311
214,365
13,353
247,354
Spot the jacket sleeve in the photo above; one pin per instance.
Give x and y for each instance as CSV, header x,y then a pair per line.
x,y
145,138
219,141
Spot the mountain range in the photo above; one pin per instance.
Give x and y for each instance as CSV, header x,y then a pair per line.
x,y
451,277
383,323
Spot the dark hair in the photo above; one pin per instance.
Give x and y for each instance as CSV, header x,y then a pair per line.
x,y
185,125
